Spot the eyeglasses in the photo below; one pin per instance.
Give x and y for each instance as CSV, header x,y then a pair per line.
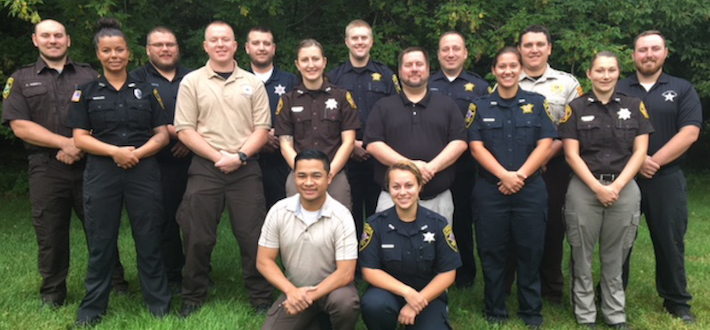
x,y
161,45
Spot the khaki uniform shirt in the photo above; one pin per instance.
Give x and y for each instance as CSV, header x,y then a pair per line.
x,y
309,253
558,87
224,112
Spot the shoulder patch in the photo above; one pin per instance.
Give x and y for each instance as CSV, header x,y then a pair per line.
x,y
568,114
642,108
471,114
395,80
492,89
8,87
349,96
160,99
450,239
546,105
580,90
280,106
76,96
367,233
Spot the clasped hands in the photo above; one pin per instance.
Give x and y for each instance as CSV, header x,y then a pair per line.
x,y
511,182
298,300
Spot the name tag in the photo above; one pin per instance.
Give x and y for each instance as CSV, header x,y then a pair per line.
x,y
296,109
388,246
587,118
37,83
488,120
98,97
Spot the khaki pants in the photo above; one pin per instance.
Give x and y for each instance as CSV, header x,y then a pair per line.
x,y
614,227
342,305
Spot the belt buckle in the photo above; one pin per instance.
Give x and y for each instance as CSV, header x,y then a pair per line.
x,y
607,177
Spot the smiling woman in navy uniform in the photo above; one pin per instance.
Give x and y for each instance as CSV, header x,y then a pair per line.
x,y
409,256
510,135
120,124
605,137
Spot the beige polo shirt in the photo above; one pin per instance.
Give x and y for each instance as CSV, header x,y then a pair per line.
x,y
224,112
309,253
558,87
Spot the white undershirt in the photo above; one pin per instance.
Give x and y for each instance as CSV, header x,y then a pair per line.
x,y
309,217
264,77
647,87
451,79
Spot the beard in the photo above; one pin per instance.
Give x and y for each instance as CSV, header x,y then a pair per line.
x,y
649,71
161,65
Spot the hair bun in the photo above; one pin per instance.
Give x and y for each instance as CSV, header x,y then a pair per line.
x,y
109,23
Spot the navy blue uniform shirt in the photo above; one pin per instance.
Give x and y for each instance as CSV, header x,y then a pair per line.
x,y
510,129
367,84
412,252
467,87
124,117
280,83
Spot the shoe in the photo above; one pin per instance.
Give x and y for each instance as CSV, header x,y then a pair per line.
x,y
683,314
496,319
262,308
189,309
590,325
87,323
48,303
620,326
120,288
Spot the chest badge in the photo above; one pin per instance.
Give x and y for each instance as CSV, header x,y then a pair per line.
x,y
331,104
429,237
138,93
528,108
669,95
279,90
624,114
376,76
469,87
556,88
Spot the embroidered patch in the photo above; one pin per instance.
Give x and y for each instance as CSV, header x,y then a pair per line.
x,y
157,97
580,90
556,88
396,83
367,233
8,88
642,108
450,239
470,114
568,114
350,100
280,106
76,96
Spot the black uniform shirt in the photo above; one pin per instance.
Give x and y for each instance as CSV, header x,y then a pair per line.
x,y
418,131
42,95
605,132
368,84
413,253
510,129
467,87
317,118
671,103
168,92
123,118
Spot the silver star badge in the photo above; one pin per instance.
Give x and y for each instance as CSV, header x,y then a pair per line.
x,y
279,90
429,237
669,96
624,114
331,104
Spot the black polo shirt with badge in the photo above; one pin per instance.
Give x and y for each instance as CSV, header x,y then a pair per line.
x,y
42,95
605,132
671,104
316,118
124,117
418,131
368,85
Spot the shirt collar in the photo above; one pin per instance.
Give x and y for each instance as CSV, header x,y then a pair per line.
x,y
548,74
41,65
348,66
520,98
180,71
592,98
464,75
424,102
326,210
662,79
325,88
236,74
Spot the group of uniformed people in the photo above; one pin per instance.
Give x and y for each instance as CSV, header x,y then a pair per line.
x,y
177,147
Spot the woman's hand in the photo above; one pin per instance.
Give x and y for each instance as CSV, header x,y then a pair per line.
x,y
407,315
607,195
511,182
415,300
124,157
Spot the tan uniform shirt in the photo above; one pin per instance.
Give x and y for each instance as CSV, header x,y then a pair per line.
x,y
224,112
309,253
558,87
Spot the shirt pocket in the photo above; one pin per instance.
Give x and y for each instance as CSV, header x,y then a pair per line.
x,y
492,132
527,130
101,115
139,114
375,91
590,134
302,124
426,257
332,120
38,101
628,129
392,259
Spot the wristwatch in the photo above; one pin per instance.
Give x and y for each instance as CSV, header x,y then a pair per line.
x,y
243,157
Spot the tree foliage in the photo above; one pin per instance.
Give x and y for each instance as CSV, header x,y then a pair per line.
x,y
580,28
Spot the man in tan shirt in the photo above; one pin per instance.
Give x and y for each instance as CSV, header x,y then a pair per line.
x,y
222,115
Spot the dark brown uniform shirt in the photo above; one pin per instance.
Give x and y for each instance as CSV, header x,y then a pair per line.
x,y
42,95
316,119
605,132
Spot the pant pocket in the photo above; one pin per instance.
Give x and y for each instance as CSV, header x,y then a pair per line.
x,y
572,228
630,237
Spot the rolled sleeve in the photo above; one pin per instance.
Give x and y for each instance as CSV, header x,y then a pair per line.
x,y
261,112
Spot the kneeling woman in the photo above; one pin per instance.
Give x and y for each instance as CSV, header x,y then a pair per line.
x,y
510,136
605,137
317,115
409,256
120,124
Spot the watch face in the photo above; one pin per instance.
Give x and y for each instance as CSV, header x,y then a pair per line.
x,y
243,157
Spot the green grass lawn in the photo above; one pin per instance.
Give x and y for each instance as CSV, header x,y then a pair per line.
x,y
228,306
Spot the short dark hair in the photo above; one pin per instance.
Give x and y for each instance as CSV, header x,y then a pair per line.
x,y
650,33
263,29
108,27
536,29
161,29
313,154
505,50
412,50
